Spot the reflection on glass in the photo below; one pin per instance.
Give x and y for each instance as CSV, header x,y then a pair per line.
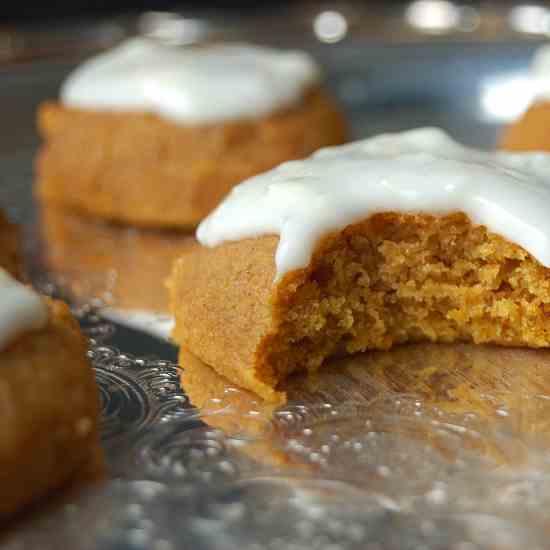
x,y
505,98
171,27
470,19
10,45
330,26
530,19
433,15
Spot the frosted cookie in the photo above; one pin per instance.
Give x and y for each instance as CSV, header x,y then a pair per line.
x,y
404,237
155,135
49,400
530,132
123,266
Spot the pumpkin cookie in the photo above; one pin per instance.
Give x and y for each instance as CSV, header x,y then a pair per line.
x,y
49,401
154,135
399,238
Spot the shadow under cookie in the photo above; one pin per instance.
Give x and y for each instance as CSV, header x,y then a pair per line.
x,y
494,398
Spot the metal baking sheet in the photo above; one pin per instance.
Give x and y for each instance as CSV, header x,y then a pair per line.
x,y
425,447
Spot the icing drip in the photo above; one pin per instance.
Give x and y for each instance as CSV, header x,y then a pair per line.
x,y
21,309
421,170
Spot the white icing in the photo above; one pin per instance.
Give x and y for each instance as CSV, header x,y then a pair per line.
x,y
540,73
21,309
421,170
191,85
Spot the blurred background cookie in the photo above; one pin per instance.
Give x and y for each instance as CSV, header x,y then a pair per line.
x,y
154,135
530,132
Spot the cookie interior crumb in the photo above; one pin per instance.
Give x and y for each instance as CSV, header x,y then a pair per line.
x,y
404,278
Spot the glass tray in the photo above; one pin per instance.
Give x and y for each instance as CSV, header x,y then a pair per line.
x,y
423,447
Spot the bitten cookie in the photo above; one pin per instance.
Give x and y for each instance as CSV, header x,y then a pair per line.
x,y
395,239
153,135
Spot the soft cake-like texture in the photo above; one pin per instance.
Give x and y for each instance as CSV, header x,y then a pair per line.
x,y
390,279
145,170
530,132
